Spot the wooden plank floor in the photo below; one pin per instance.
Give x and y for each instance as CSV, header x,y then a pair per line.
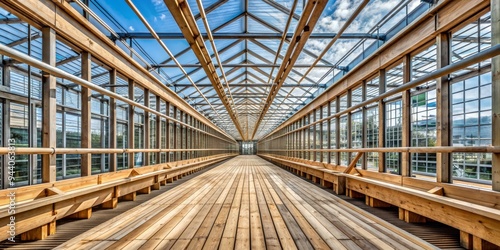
x,y
244,203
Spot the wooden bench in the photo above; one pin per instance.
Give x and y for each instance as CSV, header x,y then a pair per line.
x,y
318,172
39,206
479,224
474,211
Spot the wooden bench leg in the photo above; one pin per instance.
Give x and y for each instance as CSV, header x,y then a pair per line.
x,y
51,228
163,182
372,202
129,197
340,186
480,244
146,190
326,184
84,214
410,217
39,233
156,186
466,240
354,194
111,204
170,180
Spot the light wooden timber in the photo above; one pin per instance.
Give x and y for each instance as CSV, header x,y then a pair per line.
x,y
470,209
39,205
441,17
70,25
245,203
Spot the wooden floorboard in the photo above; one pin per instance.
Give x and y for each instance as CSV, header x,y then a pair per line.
x,y
244,203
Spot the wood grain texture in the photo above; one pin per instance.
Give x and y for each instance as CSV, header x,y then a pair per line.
x,y
245,203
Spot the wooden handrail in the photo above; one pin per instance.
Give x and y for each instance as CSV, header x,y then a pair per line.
x,y
57,151
440,149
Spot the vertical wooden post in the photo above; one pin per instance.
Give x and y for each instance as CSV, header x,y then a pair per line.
x,y
168,135
146,127
337,129
175,135
49,105
406,132
329,131
158,129
364,161
112,121
443,164
349,126
381,121
86,100
495,85
131,124
315,134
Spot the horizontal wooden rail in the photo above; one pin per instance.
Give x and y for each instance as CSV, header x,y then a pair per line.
x,y
60,151
440,149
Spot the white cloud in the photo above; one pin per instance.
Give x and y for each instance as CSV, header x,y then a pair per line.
x,y
155,19
157,2
131,28
162,16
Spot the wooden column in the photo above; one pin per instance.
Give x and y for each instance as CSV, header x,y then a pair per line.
x,y
168,135
174,130
349,127
381,121
48,105
443,164
131,126
495,71
146,126
337,129
315,135
158,129
86,114
364,160
112,121
406,132
329,131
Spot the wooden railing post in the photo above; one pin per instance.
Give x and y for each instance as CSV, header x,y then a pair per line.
x,y
112,121
86,99
495,85
48,105
443,160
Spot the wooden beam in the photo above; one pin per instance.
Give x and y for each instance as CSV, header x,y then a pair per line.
x,y
440,18
74,28
310,15
131,124
146,127
406,131
184,18
86,136
352,165
113,163
168,135
175,135
495,85
49,105
158,130
381,121
443,160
